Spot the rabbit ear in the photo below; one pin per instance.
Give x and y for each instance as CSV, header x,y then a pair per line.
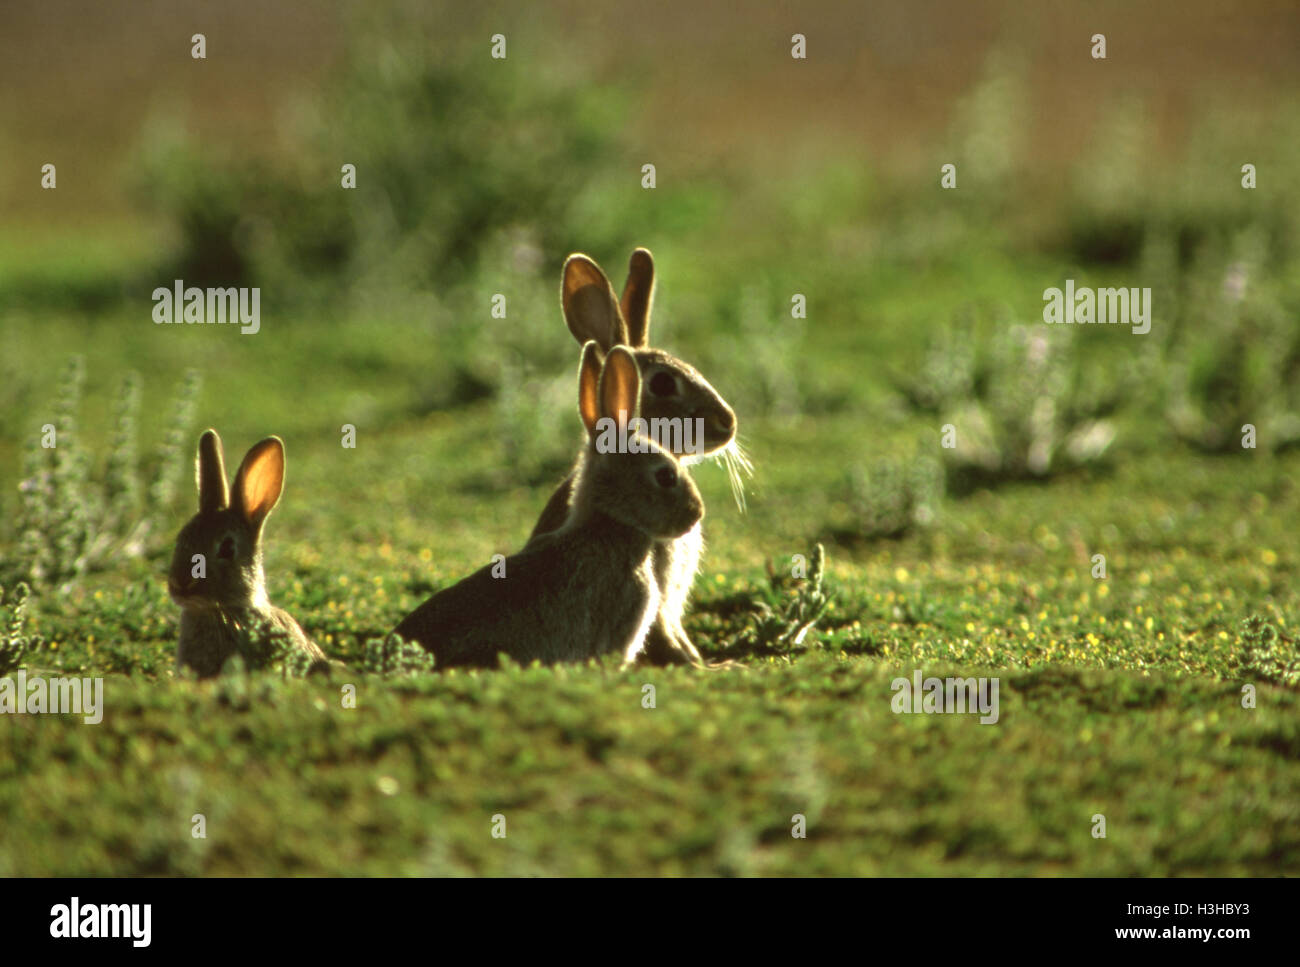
x,y
620,386
210,474
638,297
590,307
260,480
589,386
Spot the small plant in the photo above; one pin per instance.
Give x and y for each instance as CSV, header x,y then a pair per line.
x,y
1021,408
1268,654
14,642
71,521
782,618
262,646
1233,359
891,497
394,657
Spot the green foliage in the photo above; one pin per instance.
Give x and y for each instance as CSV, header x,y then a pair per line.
x,y
1022,404
15,642
1268,654
1233,357
779,619
1123,691
593,784
891,497
765,361
55,525
72,520
394,657
452,150
263,644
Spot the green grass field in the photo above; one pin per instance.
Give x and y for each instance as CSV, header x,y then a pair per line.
x,y
1119,696
1162,697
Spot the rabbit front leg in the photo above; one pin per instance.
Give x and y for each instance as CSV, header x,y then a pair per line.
x,y
674,569
664,647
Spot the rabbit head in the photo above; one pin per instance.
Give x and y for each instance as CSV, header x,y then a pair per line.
x,y
671,389
626,476
227,530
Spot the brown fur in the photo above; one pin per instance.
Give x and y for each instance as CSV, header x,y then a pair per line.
x,y
592,312
588,588
218,609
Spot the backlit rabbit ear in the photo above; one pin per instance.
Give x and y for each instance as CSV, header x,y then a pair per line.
x,y
589,386
260,480
210,474
620,386
590,306
638,298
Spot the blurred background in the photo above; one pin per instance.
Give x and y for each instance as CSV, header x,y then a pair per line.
x,y
775,176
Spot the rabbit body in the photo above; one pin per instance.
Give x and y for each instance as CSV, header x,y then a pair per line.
x,y
670,390
589,587
216,575
600,569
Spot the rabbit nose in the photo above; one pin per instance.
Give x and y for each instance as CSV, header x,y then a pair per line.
x,y
724,421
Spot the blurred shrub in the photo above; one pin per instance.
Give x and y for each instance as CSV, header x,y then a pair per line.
x,y
989,131
1232,354
451,148
746,331
74,518
1119,196
1022,404
889,498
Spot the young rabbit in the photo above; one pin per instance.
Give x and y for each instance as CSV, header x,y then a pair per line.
x,y
217,609
671,389
587,588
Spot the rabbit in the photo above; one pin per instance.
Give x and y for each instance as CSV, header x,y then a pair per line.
x,y
217,609
587,588
671,389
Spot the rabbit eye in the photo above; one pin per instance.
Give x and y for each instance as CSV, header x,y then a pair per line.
x,y
666,477
662,384
227,549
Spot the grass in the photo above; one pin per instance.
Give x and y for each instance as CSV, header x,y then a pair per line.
x,y
1124,696
590,782
1119,696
